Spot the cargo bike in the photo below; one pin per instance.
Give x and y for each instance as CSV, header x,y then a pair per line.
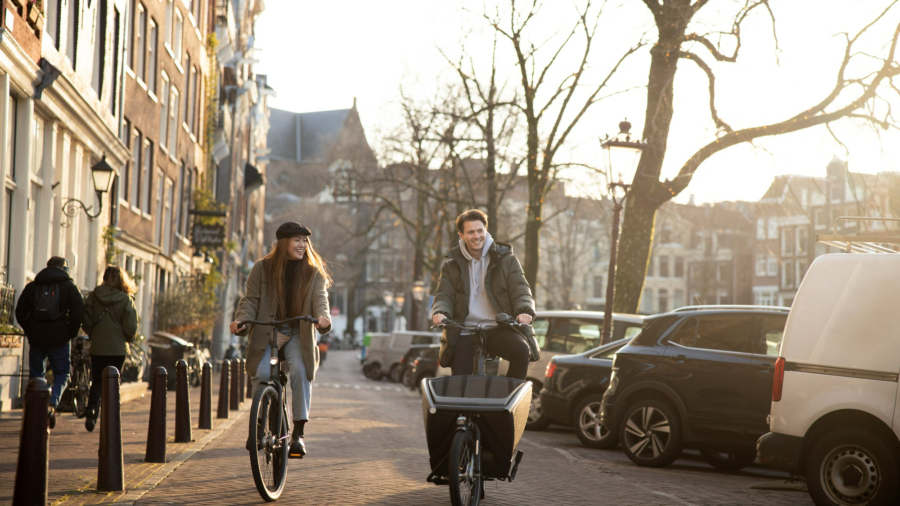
x,y
473,423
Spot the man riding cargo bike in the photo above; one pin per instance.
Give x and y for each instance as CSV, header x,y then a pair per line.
x,y
473,422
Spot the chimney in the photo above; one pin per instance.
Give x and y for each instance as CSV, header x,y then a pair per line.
x,y
691,200
354,102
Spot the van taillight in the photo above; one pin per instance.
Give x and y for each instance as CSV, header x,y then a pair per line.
x,y
551,368
778,383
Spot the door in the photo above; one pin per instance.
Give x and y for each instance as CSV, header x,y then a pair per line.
x,y
710,365
766,347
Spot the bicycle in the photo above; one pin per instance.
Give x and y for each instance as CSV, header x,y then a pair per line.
x,y
269,425
75,396
488,413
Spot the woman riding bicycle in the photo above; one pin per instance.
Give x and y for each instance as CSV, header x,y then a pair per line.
x,y
291,280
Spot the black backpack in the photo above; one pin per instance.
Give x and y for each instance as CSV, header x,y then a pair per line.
x,y
46,302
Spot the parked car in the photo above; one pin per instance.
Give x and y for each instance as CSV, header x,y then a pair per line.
x,y
834,410
425,366
567,332
406,363
573,392
384,354
698,377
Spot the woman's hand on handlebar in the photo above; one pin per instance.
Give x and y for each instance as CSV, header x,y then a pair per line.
x,y
524,319
236,327
323,323
438,319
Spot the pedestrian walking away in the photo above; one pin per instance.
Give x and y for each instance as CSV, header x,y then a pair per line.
x,y
292,280
50,311
110,320
481,278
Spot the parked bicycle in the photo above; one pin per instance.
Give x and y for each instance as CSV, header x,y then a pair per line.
x,y
488,414
270,421
75,397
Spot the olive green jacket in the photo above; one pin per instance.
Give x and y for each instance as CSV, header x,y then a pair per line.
x,y
111,332
504,283
259,303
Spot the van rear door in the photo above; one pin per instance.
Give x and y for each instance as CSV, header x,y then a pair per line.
x,y
766,345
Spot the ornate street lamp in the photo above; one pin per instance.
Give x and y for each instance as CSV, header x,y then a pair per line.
x,y
102,175
418,290
622,154
389,303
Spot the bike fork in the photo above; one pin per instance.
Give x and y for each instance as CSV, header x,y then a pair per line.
x,y
468,424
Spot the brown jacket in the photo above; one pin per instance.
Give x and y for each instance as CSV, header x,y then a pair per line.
x,y
259,303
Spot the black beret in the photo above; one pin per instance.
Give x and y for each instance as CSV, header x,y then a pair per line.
x,y
291,229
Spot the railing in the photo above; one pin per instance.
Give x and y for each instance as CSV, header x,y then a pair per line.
x,y
7,304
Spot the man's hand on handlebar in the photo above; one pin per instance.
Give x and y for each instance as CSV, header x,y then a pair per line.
x,y
438,319
236,327
524,319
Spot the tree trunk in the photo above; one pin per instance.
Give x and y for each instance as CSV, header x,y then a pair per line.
x,y
647,193
491,175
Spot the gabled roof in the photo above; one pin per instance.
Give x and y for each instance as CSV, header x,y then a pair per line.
x,y
318,131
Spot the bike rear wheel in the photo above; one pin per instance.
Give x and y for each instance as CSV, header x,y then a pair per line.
x,y
465,486
81,385
269,461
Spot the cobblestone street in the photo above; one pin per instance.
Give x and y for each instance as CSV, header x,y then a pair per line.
x,y
367,446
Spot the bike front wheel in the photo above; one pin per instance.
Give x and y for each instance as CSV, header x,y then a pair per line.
x,y
81,385
465,485
269,461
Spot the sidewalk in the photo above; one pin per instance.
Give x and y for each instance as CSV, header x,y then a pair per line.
x,y
73,451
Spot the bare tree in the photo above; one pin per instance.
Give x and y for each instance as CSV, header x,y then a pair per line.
x,y
862,83
550,117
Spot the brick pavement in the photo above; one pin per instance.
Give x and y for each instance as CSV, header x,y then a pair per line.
x,y
73,452
367,446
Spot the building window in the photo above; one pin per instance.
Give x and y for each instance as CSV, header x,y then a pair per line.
x,y
695,274
99,48
188,73
821,219
663,267
773,228
159,199
72,18
133,179
802,241
164,112
663,300
723,273
760,264
678,299
647,301
140,45
788,274
152,41
146,175
773,266
187,199
167,217
170,11
651,267
122,183
114,99
679,267
787,241
174,103
765,298
177,35
598,287
37,149
129,34
801,270
760,228
722,297
193,104
54,7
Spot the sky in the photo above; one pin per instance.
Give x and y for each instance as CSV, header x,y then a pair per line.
x,y
321,55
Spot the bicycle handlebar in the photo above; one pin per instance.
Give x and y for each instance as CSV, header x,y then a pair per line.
x,y
274,323
501,318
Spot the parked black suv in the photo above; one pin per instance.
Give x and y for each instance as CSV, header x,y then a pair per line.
x,y
698,377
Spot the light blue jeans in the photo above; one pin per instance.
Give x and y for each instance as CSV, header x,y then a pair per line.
x,y
296,369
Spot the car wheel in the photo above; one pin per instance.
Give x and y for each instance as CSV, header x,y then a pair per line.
x,y
727,460
536,418
650,433
375,372
852,467
395,373
587,424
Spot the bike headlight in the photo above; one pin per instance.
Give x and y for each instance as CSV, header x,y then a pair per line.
x,y
273,360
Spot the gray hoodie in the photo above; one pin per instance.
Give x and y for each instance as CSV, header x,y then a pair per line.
x,y
480,307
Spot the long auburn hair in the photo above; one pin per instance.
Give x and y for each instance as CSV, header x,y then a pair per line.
x,y
305,271
115,277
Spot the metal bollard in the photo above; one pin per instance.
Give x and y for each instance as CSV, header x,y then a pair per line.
x,y
223,389
235,385
205,401
156,432
243,375
34,446
182,404
111,468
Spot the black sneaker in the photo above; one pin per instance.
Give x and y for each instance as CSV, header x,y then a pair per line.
x,y
297,450
52,416
90,419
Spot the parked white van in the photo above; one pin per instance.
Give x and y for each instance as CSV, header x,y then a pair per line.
x,y
384,354
835,418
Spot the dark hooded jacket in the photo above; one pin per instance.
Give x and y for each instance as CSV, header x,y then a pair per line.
x,y
505,285
111,330
51,333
